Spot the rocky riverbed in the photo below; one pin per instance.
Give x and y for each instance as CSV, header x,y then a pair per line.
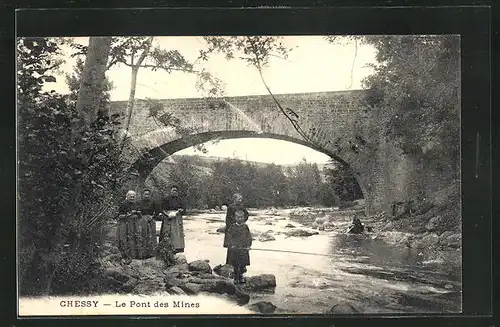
x,y
303,262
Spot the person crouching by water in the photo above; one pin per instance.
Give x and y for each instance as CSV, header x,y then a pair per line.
x,y
356,226
172,209
239,240
126,233
147,226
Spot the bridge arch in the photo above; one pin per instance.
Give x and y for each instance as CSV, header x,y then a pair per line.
x,y
148,161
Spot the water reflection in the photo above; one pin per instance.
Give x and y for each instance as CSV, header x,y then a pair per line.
x,y
363,270
367,249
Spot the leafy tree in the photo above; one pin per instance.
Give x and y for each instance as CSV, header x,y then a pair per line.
x,y
343,183
418,82
139,52
73,81
66,192
304,183
92,80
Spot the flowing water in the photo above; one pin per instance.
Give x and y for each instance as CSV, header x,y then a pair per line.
x,y
364,271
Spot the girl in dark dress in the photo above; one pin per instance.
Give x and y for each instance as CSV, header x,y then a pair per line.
x,y
147,233
239,240
231,209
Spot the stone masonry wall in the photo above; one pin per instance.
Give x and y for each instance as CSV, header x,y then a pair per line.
x,y
324,116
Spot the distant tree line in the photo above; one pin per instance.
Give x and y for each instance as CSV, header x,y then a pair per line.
x,y
261,185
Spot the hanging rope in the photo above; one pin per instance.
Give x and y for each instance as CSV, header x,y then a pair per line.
x,y
295,252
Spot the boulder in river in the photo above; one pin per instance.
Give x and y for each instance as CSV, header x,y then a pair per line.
x,y
454,240
260,282
445,235
301,233
224,270
426,242
191,288
314,225
342,308
176,290
266,237
180,259
272,212
433,223
200,265
262,307
221,229
290,226
118,281
321,227
320,220
268,223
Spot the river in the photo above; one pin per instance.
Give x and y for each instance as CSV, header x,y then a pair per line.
x,y
366,272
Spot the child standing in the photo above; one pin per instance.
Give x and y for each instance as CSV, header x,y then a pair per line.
x,y
239,240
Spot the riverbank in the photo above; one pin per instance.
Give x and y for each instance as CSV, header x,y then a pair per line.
x,y
321,267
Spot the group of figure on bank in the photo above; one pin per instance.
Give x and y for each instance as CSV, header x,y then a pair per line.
x,y
136,231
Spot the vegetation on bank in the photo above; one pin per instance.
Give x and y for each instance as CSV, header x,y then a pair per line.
x,y
210,184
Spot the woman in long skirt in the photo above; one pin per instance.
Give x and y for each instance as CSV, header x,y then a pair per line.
x,y
147,227
172,225
128,222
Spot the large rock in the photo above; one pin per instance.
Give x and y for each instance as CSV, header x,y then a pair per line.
x,y
221,229
262,307
180,259
239,298
116,275
388,226
191,288
272,212
426,242
266,237
129,285
433,224
342,308
454,240
320,220
290,226
170,282
148,286
445,235
260,282
200,265
224,271
219,286
177,269
300,232
176,290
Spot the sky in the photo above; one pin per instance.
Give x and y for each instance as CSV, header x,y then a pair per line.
x,y
313,65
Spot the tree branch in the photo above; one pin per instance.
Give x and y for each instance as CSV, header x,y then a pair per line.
x,y
292,121
354,60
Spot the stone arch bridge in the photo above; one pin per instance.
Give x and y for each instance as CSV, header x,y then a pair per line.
x,y
327,119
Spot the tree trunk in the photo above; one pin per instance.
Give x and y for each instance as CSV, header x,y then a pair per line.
x,y
92,81
131,100
135,70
